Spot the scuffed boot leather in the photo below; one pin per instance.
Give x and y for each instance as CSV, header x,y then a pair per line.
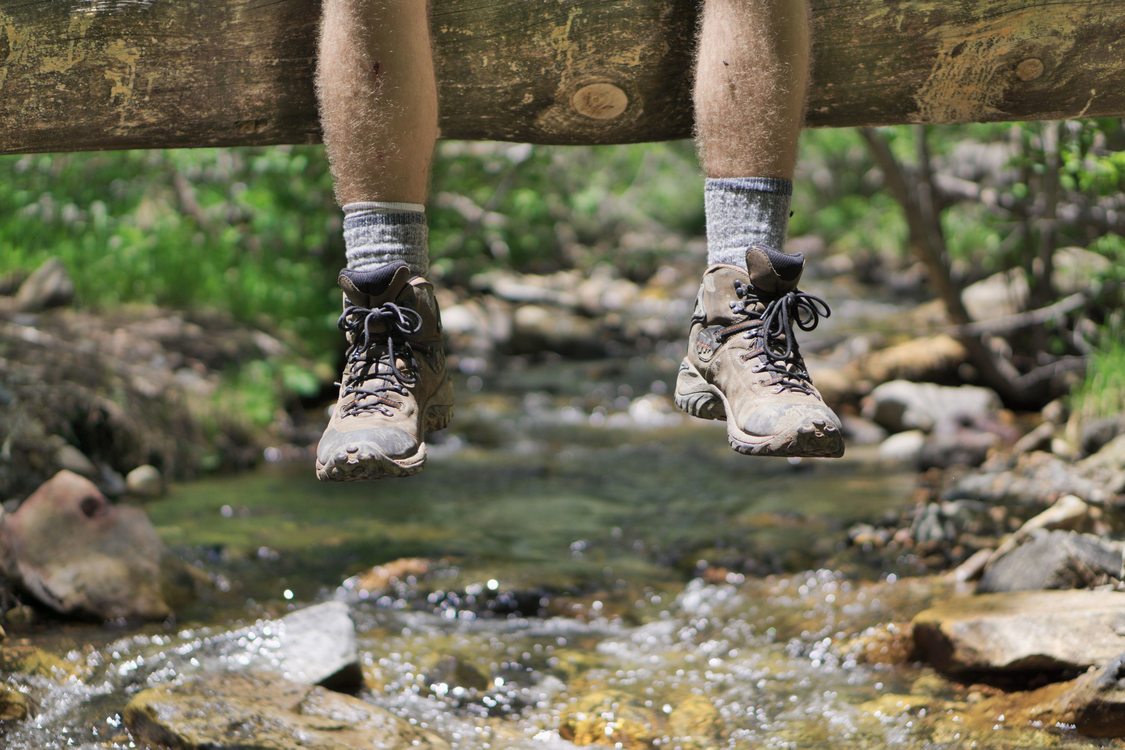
x,y
744,366
394,388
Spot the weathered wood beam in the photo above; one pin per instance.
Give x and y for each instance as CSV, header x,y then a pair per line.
x,y
95,74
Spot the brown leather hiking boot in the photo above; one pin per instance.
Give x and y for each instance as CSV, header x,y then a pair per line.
x,y
743,364
394,388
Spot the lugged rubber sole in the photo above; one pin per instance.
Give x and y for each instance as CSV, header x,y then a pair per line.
x,y
368,462
695,396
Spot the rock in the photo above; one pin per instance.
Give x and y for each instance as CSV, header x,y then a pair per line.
x,y
901,405
928,359
972,568
902,447
144,481
79,555
247,711
696,718
1068,513
13,704
48,286
1049,632
69,458
1037,479
383,578
1106,468
31,661
317,646
446,673
537,329
1099,432
891,644
1096,704
1055,560
613,719
955,446
1038,439
860,431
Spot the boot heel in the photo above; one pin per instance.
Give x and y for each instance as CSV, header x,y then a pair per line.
x,y
695,397
438,417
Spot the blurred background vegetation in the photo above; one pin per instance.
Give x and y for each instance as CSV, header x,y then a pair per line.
x,y
255,232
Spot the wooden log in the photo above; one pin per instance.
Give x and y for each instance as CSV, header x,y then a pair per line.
x,y
95,74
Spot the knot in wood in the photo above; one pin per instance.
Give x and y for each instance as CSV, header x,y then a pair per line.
x,y
600,101
1030,69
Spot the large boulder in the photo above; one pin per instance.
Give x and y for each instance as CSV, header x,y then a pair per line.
x,y
1048,632
79,555
248,711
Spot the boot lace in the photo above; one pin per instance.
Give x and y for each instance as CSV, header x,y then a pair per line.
x,y
372,373
769,321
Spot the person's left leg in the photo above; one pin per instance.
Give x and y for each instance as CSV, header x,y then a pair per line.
x,y
743,364
378,107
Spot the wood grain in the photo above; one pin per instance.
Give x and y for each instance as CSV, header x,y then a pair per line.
x,y
96,74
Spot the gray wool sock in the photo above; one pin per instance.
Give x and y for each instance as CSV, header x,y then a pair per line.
x,y
376,234
745,211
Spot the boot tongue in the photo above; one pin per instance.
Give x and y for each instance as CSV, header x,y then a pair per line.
x,y
374,287
774,272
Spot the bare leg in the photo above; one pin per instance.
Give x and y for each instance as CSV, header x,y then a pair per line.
x,y
378,98
378,107
743,365
750,86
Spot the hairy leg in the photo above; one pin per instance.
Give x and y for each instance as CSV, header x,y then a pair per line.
x,y
378,99
750,83
742,364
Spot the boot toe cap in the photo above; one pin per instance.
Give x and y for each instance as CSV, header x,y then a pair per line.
x,y
365,444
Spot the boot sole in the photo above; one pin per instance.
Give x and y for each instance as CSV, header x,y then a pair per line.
x,y
695,396
345,467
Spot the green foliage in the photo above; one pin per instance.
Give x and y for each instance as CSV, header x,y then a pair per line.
x,y
1103,392
248,231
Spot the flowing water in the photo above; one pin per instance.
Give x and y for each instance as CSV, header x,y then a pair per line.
x,y
597,564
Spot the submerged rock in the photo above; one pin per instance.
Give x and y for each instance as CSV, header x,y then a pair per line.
x,y
1055,560
13,704
79,555
613,719
1048,632
237,711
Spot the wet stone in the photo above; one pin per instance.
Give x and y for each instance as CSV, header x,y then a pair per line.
x,y
13,704
612,719
317,646
1052,633
238,711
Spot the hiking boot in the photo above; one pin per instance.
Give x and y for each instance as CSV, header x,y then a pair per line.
x,y
394,388
744,366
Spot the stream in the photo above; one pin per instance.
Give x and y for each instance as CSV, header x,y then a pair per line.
x,y
586,544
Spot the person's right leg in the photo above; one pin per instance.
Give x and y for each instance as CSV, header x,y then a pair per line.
x,y
743,364
378,109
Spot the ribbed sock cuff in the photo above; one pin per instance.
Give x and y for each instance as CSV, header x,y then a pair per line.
x,y
378,234
745,211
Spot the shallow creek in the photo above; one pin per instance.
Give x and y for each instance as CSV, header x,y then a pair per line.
x,y
586,542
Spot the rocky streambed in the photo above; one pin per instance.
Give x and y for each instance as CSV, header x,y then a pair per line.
x,y
582,565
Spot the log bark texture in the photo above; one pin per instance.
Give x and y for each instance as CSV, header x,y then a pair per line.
x,y
95,74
